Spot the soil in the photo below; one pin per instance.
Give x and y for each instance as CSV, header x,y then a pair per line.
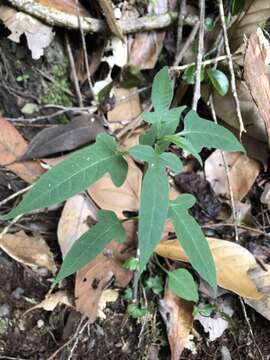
x,y
38,334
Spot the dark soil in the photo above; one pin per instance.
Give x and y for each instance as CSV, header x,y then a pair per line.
x,y
39,334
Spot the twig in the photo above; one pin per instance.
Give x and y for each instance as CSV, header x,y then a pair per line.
x,y
89,25
233,82
15,195
188,42
182,12
51,79
197,87
84,51
73,70
240,226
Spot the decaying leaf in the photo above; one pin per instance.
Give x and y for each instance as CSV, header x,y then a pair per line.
x,y
265,197
127,107
216,326
177,315
232,263
28,250
255,14
108,295
107,8
12,145
261,277
93,278
132,139
80,131
243,172
67,6
257,59
75,220
52,300
38,35
117,199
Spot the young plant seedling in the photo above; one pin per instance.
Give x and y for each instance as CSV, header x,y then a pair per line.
x,y
82,168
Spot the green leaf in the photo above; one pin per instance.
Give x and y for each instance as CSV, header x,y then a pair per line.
x,y
209,24
189,74
203,133
182,284
104,93
143,153
131,77
91,243
172,161
237,6
153,210
150,136
128,294
162,91
184,144
135,311
73,175
219,80
192,238
155,283
131,263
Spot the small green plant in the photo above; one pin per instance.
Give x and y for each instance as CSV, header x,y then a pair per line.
x,y
82,168
23,79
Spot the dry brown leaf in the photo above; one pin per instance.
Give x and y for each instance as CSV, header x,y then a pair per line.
x,y
132,139
127,108
232,264
257,59
38,35
52,300
177,315
74,221
243,172
93,278
255,13
67,6
261,278
28,250
107,8
12,145
126,197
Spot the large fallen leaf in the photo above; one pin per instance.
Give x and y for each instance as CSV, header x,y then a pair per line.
x,y
13,145
261,277
127,108
177,315
75,220
52,300
242,173
117,199
80,131
256,73
255,13
38,35
100,273
28,250
232,263
67,6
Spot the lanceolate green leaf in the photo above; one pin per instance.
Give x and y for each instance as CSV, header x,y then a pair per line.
x,y
192,238
162,91
91,243
153,210
219,80
75,174
182,284
203,133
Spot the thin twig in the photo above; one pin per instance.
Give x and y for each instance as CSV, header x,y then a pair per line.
x,y
15,195
188,42
84,51
197,87
182,13
230,62
73,70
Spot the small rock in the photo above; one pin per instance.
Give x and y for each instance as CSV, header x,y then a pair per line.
x,y
4,310
40,323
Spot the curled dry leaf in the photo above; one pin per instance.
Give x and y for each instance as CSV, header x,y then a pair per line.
x,y
254,14
52,300
28,250
80,131
74,221
261,277
177,315
243,172
256,64
108,295
117,199
12,146
107,8
38,35
127,108
232,263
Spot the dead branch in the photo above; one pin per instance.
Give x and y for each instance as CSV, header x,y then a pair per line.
x,y
90,25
